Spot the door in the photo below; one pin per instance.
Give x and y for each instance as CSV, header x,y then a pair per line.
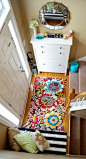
x,y
14,70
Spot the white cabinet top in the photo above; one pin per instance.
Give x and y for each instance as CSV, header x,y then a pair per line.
x,y
58,41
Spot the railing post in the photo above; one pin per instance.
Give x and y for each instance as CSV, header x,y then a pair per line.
x,y
72,95
82,100
76,101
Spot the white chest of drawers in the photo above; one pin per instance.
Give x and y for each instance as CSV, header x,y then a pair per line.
x,y
52,54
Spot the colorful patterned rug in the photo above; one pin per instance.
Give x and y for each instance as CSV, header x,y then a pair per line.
x,y
47,104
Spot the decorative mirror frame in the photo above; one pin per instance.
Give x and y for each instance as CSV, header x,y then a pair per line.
x,y
62,10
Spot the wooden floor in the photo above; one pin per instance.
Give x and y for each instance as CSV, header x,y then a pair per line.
x,y
66,117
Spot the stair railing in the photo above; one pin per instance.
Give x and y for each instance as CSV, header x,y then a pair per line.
x,y
72,95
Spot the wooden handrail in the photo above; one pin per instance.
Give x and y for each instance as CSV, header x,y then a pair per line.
x,y
72,95
79,95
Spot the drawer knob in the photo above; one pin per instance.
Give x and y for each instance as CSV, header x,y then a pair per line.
x,y
44,63
60,47
60,52
42,46
60,65
42,52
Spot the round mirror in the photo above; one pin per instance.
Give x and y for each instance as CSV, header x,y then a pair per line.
x,y
54,15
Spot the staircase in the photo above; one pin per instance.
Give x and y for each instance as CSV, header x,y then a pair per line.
x,y
77,110
77,135
77,80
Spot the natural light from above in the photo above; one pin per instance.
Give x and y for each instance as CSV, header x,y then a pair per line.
x,y
4,10
8,115
0,6
13,33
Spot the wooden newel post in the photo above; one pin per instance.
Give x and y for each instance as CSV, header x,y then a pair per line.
x,y
71,96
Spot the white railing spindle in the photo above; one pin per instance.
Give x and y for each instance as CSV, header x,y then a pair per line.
x,y
76,103
82,101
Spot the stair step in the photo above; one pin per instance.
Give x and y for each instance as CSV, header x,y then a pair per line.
x,y
77,135
82,76
80,113
77,80
83,137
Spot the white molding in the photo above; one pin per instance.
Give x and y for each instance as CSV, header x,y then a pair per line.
x,y
21,44
21,121
9,107
6,122
80,59
5,12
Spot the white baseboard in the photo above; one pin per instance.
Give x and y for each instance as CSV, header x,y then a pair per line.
x,y
80,59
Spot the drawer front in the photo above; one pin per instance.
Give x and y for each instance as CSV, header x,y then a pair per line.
x,y
52,67
61,47
52,55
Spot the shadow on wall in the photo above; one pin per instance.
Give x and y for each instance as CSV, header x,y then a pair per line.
x,y
73,49
76,51
81,50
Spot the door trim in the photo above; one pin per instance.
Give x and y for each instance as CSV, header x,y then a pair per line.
x,y
21,44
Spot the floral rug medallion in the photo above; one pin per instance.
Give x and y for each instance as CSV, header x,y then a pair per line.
x,y
47,104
